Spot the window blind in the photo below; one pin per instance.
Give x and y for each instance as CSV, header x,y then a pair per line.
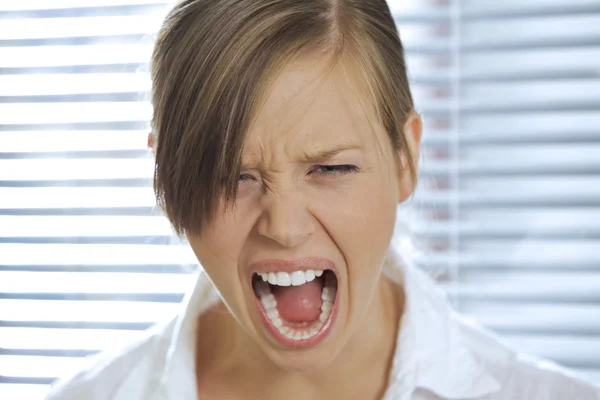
x,y
506,215
86,260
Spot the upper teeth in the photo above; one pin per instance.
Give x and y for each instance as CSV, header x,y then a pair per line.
x,y
296,278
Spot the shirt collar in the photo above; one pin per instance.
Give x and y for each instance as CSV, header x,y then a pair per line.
x,y
178,379
438,354
430,353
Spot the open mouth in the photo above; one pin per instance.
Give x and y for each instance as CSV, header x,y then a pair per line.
x,y
298,308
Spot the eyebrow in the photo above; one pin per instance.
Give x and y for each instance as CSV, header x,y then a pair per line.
x,y
319,156
327,155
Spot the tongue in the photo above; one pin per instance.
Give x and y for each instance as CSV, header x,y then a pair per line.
x,y
299,303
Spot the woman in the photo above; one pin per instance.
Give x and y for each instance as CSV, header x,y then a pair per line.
x,y
285,137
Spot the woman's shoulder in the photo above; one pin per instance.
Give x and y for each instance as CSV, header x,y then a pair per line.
x,y
118,374
522,376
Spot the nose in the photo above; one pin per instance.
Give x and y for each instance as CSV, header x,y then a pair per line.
x,y
286,219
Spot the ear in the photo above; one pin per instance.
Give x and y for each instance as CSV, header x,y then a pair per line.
x,y
151,142
412,129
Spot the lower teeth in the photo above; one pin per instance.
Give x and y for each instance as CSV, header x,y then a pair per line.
x,y
270,305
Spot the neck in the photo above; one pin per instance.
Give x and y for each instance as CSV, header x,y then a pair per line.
x,y
233,352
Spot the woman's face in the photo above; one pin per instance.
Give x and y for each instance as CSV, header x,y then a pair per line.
x,y
314,216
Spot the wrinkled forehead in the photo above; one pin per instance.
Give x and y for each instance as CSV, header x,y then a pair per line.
x,y
311,107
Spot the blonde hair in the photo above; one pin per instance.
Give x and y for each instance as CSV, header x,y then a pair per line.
x,y
212,63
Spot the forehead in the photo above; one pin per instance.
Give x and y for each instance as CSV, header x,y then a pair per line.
x,y
311,107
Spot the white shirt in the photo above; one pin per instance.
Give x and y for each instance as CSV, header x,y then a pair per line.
x,y
440,355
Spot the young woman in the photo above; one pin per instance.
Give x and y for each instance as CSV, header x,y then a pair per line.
x,y
285,136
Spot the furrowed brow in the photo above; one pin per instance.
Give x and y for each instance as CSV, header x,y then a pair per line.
x,y
329,154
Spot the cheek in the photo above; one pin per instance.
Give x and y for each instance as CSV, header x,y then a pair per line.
x,y
223,240
361,223
218,250
360,219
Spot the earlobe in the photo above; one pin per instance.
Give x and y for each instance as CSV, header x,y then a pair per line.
x,y
151,142
405,178
412,131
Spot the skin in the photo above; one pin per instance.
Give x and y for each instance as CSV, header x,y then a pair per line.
x,y
289,207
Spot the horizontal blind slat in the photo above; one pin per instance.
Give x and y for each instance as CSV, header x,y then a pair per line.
x,y
535,318
48,28
552,223
61,84
519,255
511,8
563,94
527,32
512,286
69,198
438,199
531,63
60,141
541,125
69,169
48,56
85,311
81,226
69,112
66,339
10,5
93,282
523,159
94,254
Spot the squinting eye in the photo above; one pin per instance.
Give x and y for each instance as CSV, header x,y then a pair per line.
x,y
245,178
334,169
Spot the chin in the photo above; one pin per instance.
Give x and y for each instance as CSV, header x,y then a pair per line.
x,y
303,362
